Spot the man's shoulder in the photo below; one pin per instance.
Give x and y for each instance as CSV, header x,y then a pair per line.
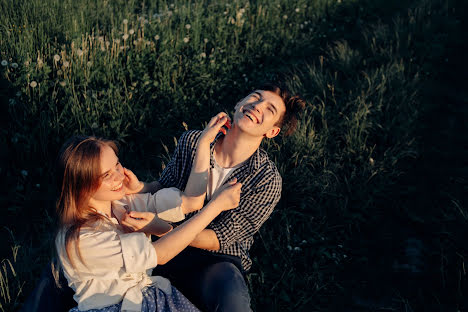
x,y
189,138
267,167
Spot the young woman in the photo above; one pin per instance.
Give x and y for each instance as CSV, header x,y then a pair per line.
x,y
103,250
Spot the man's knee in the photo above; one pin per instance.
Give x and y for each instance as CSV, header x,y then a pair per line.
x,y
225,289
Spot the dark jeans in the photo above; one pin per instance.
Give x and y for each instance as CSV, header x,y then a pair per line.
x,y
213,282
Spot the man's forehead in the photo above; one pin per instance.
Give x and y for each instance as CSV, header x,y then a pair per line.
x,y
271,97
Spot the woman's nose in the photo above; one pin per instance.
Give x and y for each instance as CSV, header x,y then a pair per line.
x,y
119,175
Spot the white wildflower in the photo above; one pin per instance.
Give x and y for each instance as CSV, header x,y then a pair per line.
x,y
89,63
63,83
14,65
297,10
4,63
297,249
117,41
125,21
188,26
205,40
56,57
66,64
156,37
285,16
172,5
371,161
59,72
125,37
33,84
79,52
94,125
169,13
203,55
242,10
186,39
131,31
289,247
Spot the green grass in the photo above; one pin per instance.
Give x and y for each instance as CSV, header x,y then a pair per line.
x,y
376,161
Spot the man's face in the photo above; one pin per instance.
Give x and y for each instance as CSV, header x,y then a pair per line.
x,y
258,113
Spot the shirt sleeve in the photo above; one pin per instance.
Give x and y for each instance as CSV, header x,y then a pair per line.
x,y
132,252
244,221
166,203
178,169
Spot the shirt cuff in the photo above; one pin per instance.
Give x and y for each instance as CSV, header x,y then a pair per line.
x,y
138,253
224,232
169,204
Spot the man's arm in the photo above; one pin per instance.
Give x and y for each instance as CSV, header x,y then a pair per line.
x,y
244,221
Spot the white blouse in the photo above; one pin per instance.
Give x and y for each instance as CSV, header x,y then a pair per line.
x,y
117,265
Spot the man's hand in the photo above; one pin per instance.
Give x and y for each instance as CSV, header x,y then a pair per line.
x,y
227,197
146,222
131,182
214,126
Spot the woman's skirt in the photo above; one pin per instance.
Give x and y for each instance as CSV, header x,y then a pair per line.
x,y
155,300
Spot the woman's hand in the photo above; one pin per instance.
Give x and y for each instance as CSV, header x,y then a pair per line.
x,y
228,196
131,182
146,222
214,126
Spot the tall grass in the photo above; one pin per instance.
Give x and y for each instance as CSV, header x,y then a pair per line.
x,y
142,72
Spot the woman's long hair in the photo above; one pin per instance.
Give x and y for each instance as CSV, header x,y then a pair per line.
x,y
78,177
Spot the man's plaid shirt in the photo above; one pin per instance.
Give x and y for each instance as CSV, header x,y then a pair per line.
x,y
261,191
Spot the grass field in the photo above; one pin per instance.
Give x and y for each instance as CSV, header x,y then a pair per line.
x,y
373,215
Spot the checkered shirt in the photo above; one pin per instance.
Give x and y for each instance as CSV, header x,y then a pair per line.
x,y
261,191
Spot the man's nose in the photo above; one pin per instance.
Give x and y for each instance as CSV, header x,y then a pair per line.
x,y
257,106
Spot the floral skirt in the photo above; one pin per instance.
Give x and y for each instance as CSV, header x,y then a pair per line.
x,y
155,300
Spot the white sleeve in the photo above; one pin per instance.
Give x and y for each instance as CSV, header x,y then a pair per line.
x,y
133,252
166,203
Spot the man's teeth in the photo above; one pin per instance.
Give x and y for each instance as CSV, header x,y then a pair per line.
x,y
118,186
250,116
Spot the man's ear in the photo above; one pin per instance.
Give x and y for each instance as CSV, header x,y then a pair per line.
x,y
274,131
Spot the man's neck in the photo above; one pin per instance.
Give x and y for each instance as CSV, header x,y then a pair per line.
x,y
235,148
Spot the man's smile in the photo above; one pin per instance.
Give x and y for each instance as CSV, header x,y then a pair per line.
x,y
251,115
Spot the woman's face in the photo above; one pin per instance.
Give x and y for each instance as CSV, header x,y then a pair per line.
x,y
112,176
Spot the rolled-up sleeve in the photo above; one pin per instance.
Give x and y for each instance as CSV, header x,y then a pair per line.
x,y
101,250
137,252
244,221
167,204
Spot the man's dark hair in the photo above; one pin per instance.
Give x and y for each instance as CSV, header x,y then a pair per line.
x,y
294,105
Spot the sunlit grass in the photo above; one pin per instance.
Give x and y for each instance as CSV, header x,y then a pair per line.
x,y
142,72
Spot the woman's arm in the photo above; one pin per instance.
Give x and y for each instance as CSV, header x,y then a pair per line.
x,y
171,244
195,190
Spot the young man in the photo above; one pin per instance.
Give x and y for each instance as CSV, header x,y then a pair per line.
x,y
211,272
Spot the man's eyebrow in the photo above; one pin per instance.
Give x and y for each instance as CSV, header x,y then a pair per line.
x,y
274,107
258,94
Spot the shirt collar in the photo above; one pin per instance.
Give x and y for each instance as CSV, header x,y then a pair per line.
x,y
253,162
